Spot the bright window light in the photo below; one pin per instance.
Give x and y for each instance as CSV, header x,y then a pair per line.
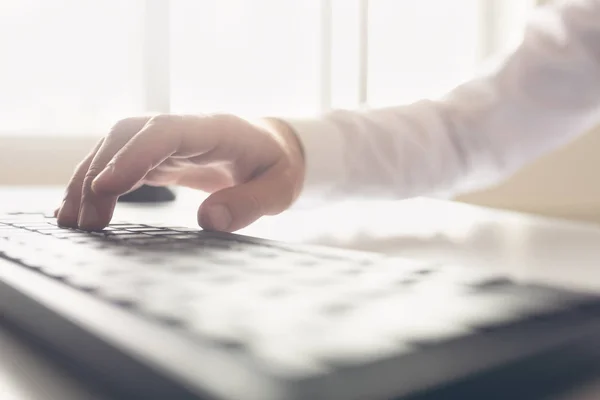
x,y
420,48
69,66
245,56
77,66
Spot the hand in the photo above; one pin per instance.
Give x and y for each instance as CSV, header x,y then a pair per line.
x,y
250,169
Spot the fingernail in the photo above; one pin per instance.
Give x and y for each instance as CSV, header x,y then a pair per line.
x,y
219,217
68,210
88,218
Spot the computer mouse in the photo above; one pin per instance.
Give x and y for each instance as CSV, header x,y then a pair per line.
x,y
148,194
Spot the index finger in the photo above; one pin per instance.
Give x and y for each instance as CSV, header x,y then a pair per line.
x,y
67,213
96,211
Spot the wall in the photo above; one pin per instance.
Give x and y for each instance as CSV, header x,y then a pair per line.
x,y
42,160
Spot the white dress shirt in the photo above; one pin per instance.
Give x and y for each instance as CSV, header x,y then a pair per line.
x,y
541,95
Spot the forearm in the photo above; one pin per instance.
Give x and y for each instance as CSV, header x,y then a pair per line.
x,y
543,94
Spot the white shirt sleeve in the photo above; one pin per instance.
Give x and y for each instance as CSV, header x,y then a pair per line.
x,y
537,98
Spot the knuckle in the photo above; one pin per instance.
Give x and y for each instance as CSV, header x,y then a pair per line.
x,y
121,125
228,118
128,126
230,121
165,119
90,175
79,167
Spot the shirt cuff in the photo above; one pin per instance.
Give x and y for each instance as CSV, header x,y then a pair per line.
x,y
323,145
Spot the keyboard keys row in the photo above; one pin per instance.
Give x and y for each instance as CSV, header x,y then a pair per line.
x,y
263,296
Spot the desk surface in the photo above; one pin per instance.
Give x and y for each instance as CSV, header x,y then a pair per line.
x,y
559,252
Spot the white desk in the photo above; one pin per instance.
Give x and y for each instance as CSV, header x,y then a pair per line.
x,y
527,247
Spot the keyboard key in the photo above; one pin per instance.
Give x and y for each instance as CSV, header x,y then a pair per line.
x,y
146,229
66,234
121,235
144,241
179,235
123,225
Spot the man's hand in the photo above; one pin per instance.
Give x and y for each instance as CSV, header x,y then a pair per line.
x,y
251,169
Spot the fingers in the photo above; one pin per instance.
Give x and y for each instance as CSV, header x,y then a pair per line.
x,y
236,207
68,212
135,147
162,137
155,142
96,210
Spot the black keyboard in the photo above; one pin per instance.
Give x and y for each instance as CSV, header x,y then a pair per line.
x,y
177,313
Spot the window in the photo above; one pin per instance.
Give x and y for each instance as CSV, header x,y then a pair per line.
x,y
69,65
435,45
74,67
245,56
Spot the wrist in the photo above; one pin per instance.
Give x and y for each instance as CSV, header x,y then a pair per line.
x,y
291,145
286,136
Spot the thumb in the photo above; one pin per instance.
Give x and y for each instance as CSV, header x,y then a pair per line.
x,y
236,207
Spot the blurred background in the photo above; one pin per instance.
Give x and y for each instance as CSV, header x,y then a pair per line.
x,y
69,69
